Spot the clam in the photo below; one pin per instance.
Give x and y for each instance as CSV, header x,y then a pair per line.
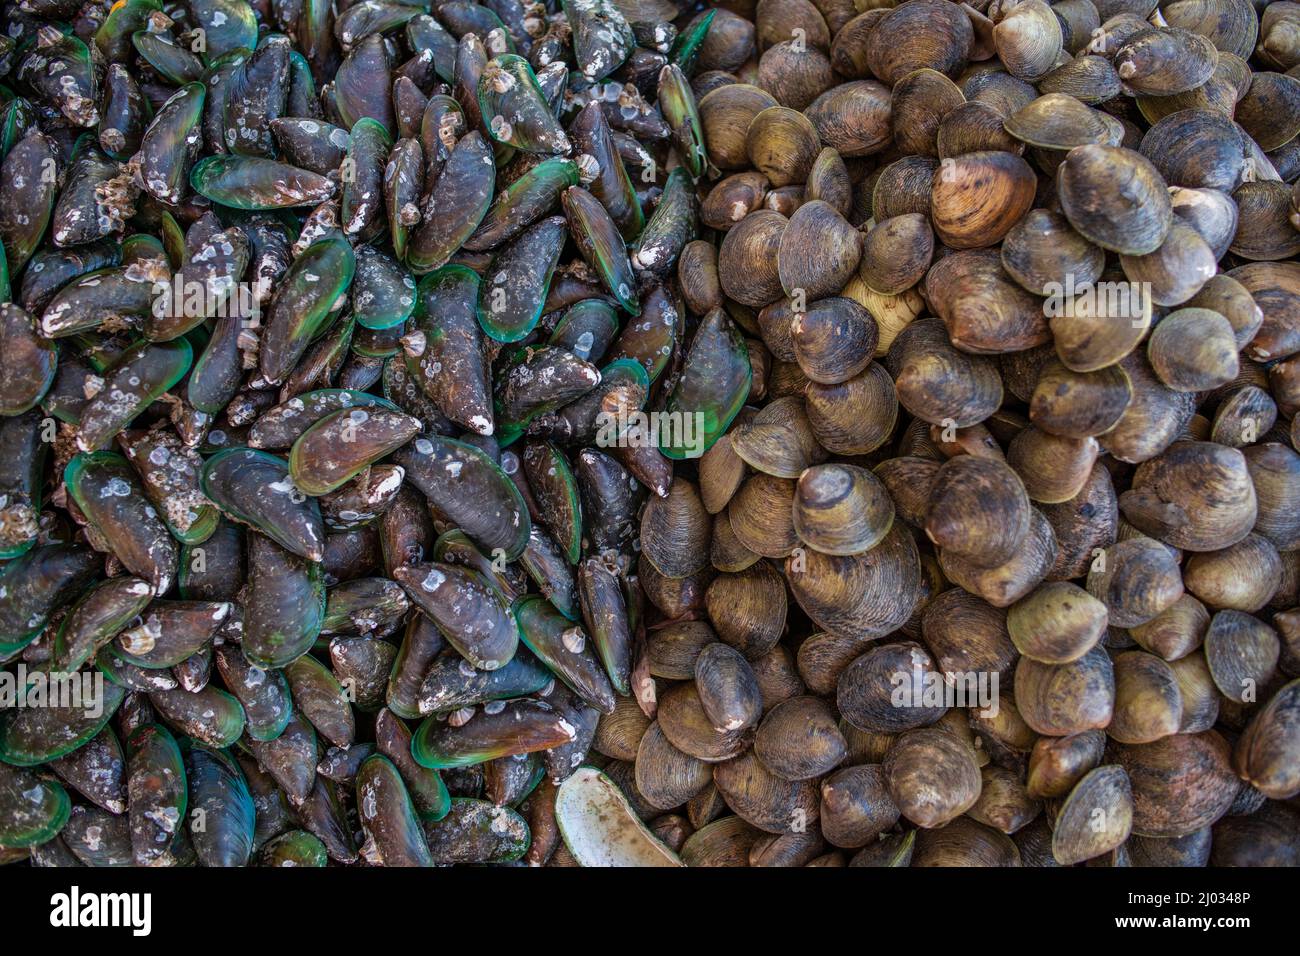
x,y
841,509
1042,253
978,510
931,777
921,100
856,807
1179,783
1196,495
1056,624
1162,62
1059,121
896,253
929,35
1148,699
1115,198
798,739
978,197
1265,753
1095,818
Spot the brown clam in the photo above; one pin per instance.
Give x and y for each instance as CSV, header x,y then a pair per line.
x,y
1027,37
978,510
1177,270
864,596
762,799
1004,803
1059,121
799,740
1148,699
1079,404
1056,764
731,200
727,687
782,145
1180,783
1095,818
921,100
973,127
841,509
747,258
896,253
929,34
1064,699
852,118
891,688
748,608
1053,468
1265,754
1196,495
725,114
1164,62
977,197
1136,579
939,384
931,776
853,417
1242,577
1176,631
1057,623
1041,251
675,531
1242,653
1115,198
855,806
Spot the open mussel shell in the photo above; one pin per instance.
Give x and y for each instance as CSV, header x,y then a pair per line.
x,y
601,829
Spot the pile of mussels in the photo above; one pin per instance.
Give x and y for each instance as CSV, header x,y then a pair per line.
x,y
803,432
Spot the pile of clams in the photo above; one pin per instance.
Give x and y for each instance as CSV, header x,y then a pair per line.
x,y
650,433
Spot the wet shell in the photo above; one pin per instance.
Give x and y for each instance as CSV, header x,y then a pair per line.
x,y
978,197
931,776
1115,198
